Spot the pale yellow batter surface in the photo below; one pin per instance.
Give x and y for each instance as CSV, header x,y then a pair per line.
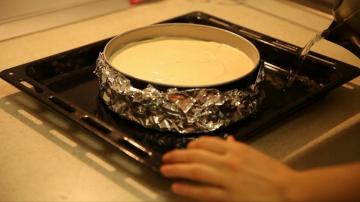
x,y
182,62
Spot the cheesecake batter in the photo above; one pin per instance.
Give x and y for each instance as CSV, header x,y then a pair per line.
x,y
182,62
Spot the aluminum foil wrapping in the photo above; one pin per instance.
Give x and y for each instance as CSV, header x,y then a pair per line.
x,y
197,110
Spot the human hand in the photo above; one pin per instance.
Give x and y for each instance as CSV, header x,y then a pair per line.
x,y
226,170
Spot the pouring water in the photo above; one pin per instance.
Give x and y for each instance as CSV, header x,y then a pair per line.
x,y
303,53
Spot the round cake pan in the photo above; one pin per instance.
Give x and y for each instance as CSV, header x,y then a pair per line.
x,y
180,109
193,31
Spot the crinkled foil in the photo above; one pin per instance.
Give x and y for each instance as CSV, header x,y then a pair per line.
x,y
197,110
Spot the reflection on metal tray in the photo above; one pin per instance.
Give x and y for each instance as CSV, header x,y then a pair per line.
x,y
66,83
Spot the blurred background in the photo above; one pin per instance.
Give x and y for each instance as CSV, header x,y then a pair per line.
x,y
20,17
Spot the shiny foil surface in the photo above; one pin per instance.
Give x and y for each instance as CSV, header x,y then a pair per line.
x,y
197,110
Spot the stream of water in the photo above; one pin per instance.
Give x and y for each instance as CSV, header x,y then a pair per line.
x,y
296,67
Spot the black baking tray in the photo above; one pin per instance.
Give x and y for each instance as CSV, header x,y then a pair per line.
x,y
66,83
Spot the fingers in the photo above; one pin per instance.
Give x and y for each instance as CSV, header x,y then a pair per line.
x,y
199,192
193,171
213,144
230,138
192,156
